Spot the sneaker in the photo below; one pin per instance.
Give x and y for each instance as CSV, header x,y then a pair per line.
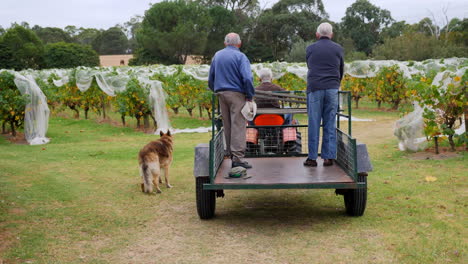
x,y
310,163
327,162
241,164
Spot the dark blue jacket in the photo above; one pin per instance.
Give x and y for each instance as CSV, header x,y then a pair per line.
x,y
230,71
325,63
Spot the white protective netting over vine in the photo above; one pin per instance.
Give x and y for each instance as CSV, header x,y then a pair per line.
x,y
115,79
409,129
36,119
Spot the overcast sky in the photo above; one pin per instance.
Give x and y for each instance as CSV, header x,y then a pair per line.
x,y
107,13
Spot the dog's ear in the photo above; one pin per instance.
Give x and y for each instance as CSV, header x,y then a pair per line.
x,y
161,133
168,132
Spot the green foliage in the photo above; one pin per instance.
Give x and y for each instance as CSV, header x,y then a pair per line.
x,y
417,46
287,22
363,22
133,101
67,95
12,103
171,31
357,86
86,36
94,99
223,22
443,106
233,5
298,51
51,34
391,86
110,42
20,48
69,55
291,82
355,55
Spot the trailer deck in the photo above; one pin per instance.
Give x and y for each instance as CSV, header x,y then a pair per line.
x,y
284,173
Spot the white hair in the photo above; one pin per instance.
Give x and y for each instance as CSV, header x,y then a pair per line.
x,y
325,30
232,39
265,75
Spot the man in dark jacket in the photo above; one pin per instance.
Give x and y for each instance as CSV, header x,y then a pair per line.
x,y
231,79
325,63
266,76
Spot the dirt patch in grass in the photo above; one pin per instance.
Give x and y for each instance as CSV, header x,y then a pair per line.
x,y
7,240
375,132
18,139
110,122
429,154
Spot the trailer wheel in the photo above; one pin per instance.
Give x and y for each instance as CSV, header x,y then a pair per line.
x,y
355,199
206,199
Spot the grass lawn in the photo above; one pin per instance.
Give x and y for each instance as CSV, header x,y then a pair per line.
x,y
78,200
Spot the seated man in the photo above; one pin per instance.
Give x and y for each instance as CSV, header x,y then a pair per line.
x,y
266,76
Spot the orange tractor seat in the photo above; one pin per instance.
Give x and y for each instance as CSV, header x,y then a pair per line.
x,y
269,120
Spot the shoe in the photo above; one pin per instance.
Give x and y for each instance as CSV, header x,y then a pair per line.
x,y
241,164
327,162
310,163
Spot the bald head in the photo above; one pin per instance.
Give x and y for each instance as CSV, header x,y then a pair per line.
x,y
232,39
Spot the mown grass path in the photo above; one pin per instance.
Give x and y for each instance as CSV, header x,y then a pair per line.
x,y
77,200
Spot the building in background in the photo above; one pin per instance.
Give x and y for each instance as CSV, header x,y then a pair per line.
x,y
114,60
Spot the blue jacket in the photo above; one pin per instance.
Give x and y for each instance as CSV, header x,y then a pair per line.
x,y
325,63
230,71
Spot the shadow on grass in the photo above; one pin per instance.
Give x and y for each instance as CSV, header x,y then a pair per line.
x,y
271,210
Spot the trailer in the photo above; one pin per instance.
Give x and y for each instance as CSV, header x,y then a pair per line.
x,y
277,151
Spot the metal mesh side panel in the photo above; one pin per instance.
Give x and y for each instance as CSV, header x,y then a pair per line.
x,y
218,151
346,151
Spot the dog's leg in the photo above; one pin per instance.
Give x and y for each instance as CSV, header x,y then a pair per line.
x,y
166,176
155,170
145,173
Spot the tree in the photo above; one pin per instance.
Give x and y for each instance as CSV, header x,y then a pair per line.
x,y
233,5
298,51
86,36
20,48
171,31
417,46
395,30
51,34
223,22
287,22
458,32
362,22
69,55
110,42
131,27
72,30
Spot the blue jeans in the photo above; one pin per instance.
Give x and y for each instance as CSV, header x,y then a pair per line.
x,y
322,106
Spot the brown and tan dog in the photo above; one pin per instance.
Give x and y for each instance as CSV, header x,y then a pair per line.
x,y
154,157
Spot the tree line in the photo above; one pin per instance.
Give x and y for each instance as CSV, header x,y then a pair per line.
x,y
171,31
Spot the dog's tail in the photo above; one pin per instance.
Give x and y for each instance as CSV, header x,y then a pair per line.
x,y
147,177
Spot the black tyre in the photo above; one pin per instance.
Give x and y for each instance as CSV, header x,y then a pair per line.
x,y
355,200
294,147
251,149
298,142
206,199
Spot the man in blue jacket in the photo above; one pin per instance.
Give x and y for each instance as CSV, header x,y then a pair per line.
x,y
231,79
325,70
